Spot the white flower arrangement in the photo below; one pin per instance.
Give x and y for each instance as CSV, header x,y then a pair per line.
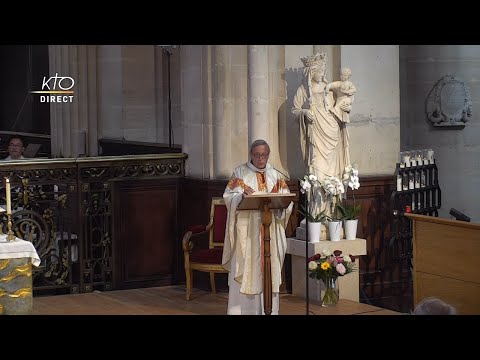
x,y
350,178
333,186
311,187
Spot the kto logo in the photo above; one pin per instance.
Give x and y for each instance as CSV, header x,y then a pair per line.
x,y
56,85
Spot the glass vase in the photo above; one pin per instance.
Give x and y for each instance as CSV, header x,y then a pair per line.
x,y
329,292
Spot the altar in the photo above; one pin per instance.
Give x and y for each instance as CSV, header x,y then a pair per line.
x,y
349,285
16,260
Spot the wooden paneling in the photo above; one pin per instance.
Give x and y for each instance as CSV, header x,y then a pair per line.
x,y
446,254
384,279
443,255
463,295
146,228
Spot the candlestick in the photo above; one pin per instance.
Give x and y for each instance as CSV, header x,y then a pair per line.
x,y
10,235
7,191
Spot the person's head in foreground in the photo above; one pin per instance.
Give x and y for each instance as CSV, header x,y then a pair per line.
x,y
434,306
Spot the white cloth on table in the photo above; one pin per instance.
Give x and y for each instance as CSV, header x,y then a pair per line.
x,y
17,249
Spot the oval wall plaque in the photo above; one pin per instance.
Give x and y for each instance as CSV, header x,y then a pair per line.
x,y
449,104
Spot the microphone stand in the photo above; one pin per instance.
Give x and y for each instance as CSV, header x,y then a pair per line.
x,y
169,50
306,225
169,103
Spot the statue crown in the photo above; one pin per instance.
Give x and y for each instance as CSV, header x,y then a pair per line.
x,y
314,60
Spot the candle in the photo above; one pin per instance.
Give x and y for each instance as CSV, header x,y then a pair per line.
x,y
430,153
9,201
405,181
411,180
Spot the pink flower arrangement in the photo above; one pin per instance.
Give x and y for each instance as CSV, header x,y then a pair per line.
x,y
330,266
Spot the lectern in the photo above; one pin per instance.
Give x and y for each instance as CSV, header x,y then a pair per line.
x,y
265,203
446,254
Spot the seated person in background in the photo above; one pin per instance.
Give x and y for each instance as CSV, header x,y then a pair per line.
x,y
15,148
434,306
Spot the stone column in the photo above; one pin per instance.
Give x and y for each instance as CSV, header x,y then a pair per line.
x,y
222,111
277,112
207,112
258,119
239,120
192,102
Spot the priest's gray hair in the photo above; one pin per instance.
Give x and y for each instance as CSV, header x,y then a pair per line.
x,y
258,143
434,306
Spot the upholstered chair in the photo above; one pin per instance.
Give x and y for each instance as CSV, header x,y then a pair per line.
x,y
205,259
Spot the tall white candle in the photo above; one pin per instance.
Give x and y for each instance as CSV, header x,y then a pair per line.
x,y
9,200
430,155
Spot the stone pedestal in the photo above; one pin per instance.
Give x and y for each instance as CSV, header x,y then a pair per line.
x,y
349,285
16,286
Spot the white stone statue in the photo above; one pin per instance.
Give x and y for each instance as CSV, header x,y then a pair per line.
x,y
343,91
323,137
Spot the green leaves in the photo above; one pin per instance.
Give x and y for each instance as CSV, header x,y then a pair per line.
x,y
349,212
321,217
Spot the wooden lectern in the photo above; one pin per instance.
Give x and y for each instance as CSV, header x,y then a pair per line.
x,y
265,203
446,254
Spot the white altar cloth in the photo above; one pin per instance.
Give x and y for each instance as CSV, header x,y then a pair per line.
x,y
17,249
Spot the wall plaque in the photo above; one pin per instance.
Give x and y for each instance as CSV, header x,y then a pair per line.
x,y
449,105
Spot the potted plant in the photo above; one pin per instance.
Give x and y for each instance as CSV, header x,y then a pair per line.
x,y
334,189
350,212
310,186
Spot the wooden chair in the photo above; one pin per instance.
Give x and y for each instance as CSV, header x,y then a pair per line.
x,y
201,259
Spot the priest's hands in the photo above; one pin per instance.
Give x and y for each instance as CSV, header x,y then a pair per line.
x,y
248,190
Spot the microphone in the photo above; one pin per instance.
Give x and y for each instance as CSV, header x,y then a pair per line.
x,y
281,173
458,215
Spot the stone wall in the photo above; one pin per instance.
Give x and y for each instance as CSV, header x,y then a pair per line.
x,y
456,151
